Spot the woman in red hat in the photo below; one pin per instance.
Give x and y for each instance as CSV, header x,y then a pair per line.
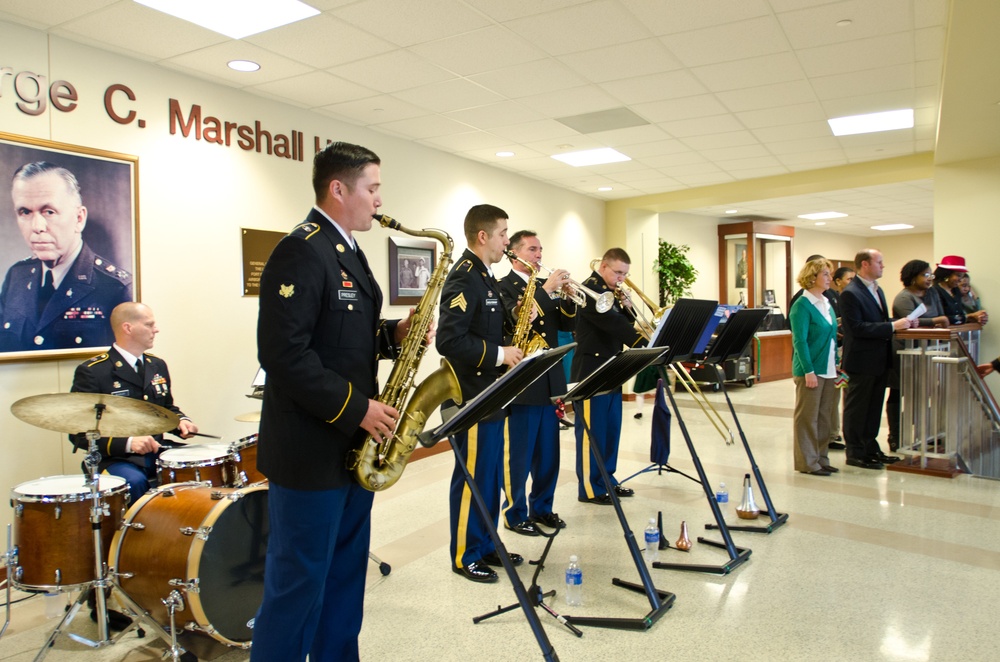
x,y
946,280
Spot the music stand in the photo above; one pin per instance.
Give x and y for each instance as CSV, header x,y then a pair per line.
x,y
731,342
683,329
494,398
606,379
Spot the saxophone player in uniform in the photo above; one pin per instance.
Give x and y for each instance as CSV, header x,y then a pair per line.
x,y
471,336
532,439
599,337
319,337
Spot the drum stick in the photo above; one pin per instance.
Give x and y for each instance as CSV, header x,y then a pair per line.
x,y
202,434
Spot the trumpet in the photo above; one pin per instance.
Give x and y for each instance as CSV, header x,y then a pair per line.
x,y
579,292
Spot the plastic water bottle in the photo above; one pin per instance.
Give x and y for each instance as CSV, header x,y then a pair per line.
x,y
55,605
652,552
574,582
722,495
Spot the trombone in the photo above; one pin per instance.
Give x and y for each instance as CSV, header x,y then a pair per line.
x,y
646,327
579,292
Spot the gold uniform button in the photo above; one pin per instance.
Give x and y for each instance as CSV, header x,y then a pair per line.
x,y
350,306
145,397
543,335
39,340
78,340
6,325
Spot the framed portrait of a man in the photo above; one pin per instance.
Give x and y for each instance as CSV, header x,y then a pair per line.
x,y
69,236
411,262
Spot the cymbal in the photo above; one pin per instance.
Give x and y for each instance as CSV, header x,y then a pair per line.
x,y
249,417
75,412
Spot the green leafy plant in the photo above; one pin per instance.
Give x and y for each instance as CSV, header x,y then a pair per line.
x,y
676,273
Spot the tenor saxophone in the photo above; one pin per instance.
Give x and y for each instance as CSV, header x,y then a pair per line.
x,y
378,466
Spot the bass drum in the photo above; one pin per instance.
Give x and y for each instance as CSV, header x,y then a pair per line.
x,y
208,543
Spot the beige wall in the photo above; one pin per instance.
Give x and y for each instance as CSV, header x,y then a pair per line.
x,y
194,198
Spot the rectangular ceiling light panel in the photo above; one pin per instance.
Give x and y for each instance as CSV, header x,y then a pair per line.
x,y
235,18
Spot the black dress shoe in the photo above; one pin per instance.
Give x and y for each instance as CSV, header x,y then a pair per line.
x,y
638,415
494,559
624,491
865,464
477,571
832,470
885,459
116,620
551,520
818,472
836,446
601,500
525,528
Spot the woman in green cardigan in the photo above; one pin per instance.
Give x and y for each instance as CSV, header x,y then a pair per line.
x,y
814,368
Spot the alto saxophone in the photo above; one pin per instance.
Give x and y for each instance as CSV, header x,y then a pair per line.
x,y
526,339
377,466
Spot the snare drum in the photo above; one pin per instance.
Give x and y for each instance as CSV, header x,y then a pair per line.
x,y
204,463
244,456
53,538
207,542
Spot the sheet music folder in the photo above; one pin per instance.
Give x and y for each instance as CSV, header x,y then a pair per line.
x,y
499,394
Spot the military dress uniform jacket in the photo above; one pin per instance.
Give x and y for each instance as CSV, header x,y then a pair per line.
x,y
554,315
76,316
109,373
599,336
319,338
473,323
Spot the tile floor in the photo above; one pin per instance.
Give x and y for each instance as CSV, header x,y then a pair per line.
x,y
872,565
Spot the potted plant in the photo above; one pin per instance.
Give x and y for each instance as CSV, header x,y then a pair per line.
x,y
675,271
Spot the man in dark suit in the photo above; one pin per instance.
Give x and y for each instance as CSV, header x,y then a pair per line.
x,y
867,358
471,337
533,428
319,337
599,337
62,296
129,370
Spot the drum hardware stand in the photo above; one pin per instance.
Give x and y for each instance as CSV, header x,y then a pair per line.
x,y
494,398
101,580
9,560
174,603
535,594
733,339
607,379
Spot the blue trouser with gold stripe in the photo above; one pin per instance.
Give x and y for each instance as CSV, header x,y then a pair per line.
x,y
314,575
481,446
604,416
531,445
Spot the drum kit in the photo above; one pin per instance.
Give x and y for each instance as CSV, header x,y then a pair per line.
x,y
186,560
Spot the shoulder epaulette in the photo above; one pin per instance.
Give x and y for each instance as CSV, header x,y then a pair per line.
x,y
102,266
467,263
304,230
94,360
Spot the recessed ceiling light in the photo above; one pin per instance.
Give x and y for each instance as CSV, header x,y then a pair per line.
x,y
892,226
505,154
243,65
590,157
890,120
605,188
823,215
820,222
234,18
732,211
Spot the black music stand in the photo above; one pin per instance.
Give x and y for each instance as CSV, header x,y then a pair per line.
x,y
682,329
731,342
609,377
494,398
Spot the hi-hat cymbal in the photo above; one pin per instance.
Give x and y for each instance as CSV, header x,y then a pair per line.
x,y
249,417
77,412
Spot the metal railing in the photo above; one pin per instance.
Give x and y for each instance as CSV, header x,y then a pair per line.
x,y
946,410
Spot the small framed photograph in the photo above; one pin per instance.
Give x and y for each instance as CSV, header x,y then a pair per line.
x,y
69,246
411,263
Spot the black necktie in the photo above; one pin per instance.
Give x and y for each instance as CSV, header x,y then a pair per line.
x,y
140,370
45,293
